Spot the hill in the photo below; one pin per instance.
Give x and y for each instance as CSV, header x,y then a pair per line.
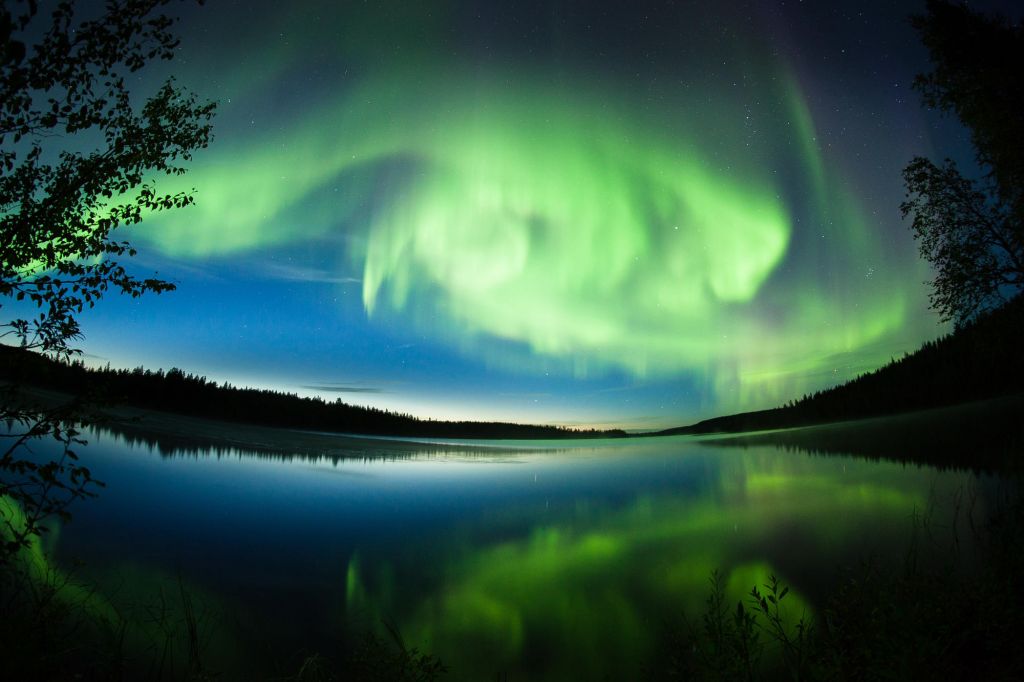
x,y
191,395
981,360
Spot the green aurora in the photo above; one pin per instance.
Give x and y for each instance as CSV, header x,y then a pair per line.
x,y
582,234
537,216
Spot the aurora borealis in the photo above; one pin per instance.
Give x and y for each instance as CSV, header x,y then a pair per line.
x,y
569,212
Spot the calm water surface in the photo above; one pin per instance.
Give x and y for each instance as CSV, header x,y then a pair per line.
x,y
565,560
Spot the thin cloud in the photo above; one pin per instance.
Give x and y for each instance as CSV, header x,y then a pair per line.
x,y
298,273
526,396
342,388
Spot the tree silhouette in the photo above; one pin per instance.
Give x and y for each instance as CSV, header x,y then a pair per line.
x,y
972,231
79,158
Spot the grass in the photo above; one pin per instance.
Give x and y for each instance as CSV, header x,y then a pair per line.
x,y
746,641
938,617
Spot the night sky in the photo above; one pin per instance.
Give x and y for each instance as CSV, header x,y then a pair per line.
x,y
633,214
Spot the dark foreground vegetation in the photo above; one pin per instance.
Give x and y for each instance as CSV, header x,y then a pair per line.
x,y
936,616
940,612
188,394
982,436
980,360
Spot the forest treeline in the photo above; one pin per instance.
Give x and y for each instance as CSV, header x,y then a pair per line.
x,y
189,394
980,360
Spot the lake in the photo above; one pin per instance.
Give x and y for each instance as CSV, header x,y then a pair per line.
x,y
539,560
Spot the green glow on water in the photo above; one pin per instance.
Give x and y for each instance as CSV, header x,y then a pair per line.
x,y
543,565
590,592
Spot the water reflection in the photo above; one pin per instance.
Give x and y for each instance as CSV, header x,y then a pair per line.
x,y
179,436
565,561
981,436
585,589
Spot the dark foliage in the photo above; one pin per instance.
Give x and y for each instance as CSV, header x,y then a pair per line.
x,y
938,616
390,660
981,360
976,76
972,232
79,158
972,242
42,488
176,391
982,436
